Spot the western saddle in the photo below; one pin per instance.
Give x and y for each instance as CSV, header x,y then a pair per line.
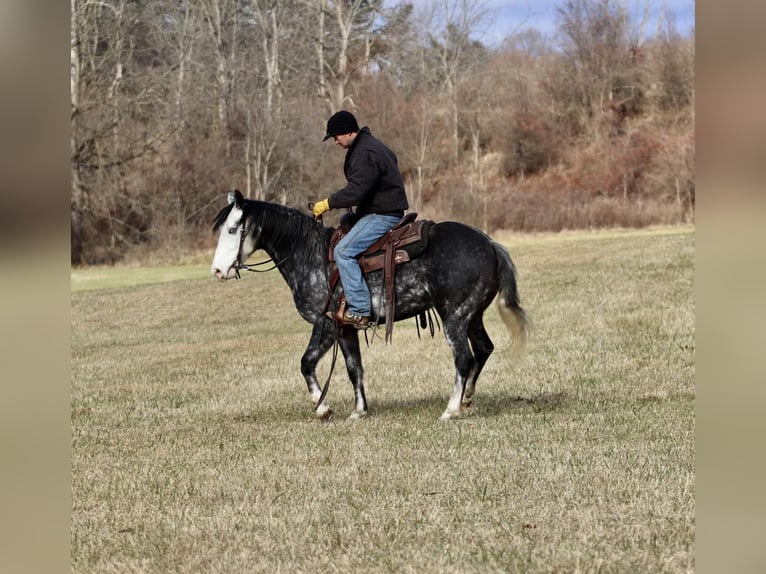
x,y
386,254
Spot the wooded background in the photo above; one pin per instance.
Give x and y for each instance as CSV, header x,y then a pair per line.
x,y
176,102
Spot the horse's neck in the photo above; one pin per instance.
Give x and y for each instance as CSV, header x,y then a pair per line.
x,y
288,237
299,250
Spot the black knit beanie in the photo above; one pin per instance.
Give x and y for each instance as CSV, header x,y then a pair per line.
x,y
340,123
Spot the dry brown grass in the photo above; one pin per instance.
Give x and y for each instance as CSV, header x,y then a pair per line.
x,y
195,448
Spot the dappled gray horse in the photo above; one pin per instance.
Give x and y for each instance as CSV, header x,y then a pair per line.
x,y
458,275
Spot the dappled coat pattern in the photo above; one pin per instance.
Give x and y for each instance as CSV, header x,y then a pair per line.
x,y
458,276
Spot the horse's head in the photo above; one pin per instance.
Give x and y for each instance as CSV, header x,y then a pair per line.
x,y
234,243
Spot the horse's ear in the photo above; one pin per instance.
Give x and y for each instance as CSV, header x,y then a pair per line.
x,y
236,198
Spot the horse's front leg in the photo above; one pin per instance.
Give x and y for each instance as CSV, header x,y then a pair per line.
x,y
322,338
349,345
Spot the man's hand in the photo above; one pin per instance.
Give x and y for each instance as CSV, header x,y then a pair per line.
x,y
320,207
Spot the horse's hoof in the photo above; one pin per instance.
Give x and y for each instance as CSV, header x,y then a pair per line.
x,y
448,415
466,407
324,412
315,397
356,415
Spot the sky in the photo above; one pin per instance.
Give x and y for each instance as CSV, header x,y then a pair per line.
x,y
509,16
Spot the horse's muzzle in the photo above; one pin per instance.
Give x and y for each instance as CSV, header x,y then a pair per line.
x,y
231,273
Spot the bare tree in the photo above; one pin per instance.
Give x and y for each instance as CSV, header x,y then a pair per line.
x,y
78,190
455,22
98,52
182,35
222,18
173,101
676,66
407,87
265,101
523,109
596,56
343,47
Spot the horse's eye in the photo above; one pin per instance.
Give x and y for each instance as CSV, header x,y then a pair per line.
x,y
232,230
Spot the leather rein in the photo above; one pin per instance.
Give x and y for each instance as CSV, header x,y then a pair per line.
x,y
238,264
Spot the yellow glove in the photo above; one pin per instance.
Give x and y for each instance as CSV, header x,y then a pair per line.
x,y
321,206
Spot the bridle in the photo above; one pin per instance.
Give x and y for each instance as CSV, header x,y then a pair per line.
x,y
238,264
238,261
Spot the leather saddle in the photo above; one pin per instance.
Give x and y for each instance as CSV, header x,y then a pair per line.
x,y
407,240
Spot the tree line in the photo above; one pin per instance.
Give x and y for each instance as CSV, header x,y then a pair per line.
x,y
175,102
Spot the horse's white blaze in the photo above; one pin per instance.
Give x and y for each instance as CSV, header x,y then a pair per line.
x,y
228,247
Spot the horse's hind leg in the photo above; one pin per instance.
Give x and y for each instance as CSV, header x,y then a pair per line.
x,y
349,345
482,348
457,339
321,340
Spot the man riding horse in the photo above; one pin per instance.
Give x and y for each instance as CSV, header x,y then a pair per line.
x,y
375,187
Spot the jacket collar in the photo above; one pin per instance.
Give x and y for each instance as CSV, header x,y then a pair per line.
x,y
364,132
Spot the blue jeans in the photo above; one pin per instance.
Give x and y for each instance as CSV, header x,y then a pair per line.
x,y
365,232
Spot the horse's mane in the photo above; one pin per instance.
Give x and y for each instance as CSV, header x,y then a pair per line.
x,y
295,225
221,217
289,226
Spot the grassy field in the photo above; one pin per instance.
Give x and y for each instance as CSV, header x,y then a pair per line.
x,y
195,448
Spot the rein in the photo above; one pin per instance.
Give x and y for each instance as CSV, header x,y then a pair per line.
x,y
331,305
275,265
239,265
332,366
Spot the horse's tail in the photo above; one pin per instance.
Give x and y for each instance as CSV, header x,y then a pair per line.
x,y
508,304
